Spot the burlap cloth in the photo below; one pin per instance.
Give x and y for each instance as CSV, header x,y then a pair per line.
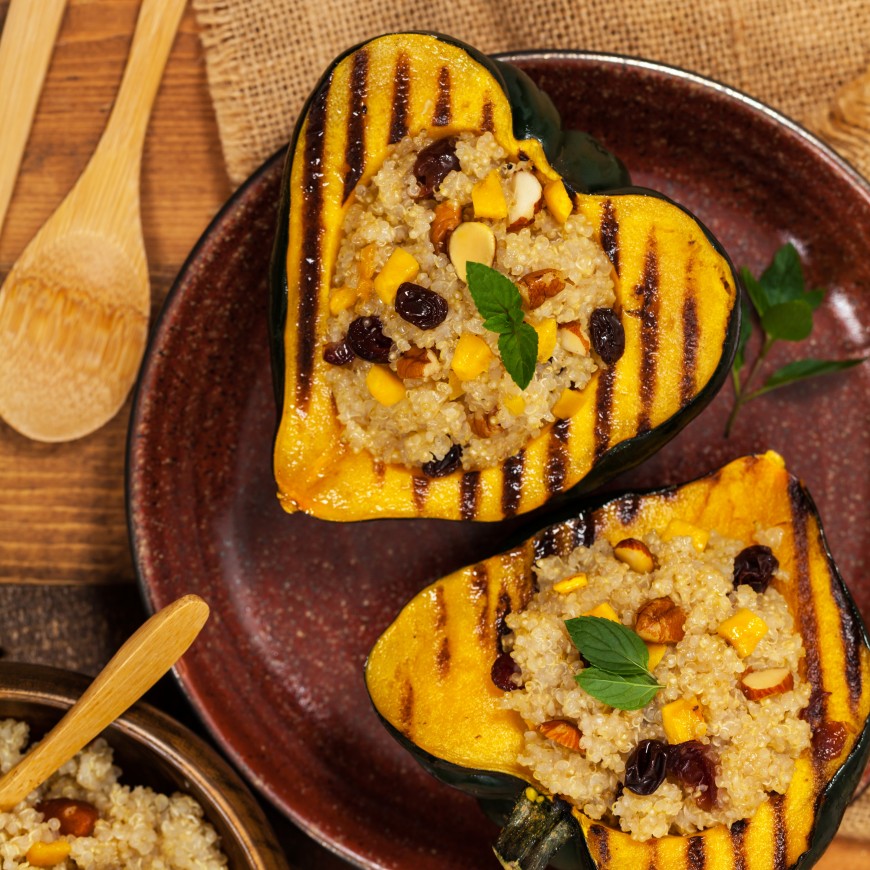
x,y
807,58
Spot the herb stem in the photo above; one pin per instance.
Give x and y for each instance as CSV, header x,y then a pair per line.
x,y
740,395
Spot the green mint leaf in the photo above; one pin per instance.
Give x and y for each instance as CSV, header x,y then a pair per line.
x,y
608,645
745,332
494,294
790,321
500,323
814,298
803,369
519,353
615,690
757,294
783,279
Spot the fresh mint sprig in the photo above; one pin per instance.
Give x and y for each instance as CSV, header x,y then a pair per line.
x,y
619,672
500,305
785,311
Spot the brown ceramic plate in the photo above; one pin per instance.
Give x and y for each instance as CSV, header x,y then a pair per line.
x,y
297,602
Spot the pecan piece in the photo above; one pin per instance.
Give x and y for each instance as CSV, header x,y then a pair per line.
x,y
418,362
448,216
538,286
660,621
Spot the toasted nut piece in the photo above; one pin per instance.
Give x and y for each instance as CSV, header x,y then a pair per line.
x,y
471,356
418,362
743,631
547,334
682,529
660,621
558,200
561,732
483,426
48,854
400,267
568,404
384,386
572,338
771,681
526,200
538,286
569,584
635,554
76,817
448,216
342,299
656,654
471,242
515,404
683,720
605,611
488,199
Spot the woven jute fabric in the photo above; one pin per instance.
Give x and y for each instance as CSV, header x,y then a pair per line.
x,y
807,58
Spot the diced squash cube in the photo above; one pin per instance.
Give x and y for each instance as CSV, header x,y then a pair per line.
x,y
682,529
558,201
48,854
605,611
548,335
471,357
487,197
515,404
656,653
683,720
384,386
743,631
342,299
568,404
569,584
365,266
456,387
400,267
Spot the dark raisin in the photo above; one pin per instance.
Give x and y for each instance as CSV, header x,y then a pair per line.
x,y
607,334
448,463
338,353
755,567
423,308
690,765
503,669
828,740
645,767
366,338
433,163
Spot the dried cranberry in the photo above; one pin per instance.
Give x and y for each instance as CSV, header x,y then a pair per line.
x,y
433,164
755,567
829,739
448,463
607,334
503,669
690,765
366,338
423,308
338,353
645,767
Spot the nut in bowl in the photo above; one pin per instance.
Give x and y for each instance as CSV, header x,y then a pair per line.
x,y
207,817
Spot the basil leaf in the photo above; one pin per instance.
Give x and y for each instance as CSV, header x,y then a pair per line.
x,y
783,279
802,369
624,692
745,332
791,321
519,353
608,645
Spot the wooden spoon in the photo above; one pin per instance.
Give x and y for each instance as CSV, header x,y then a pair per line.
x,y
74,309
135,668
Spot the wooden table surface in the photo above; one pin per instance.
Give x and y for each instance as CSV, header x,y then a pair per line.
x,y
68,595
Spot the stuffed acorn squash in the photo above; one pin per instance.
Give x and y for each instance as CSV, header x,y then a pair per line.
x,y
750,731
471,311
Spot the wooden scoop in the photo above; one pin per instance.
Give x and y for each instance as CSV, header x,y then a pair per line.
x,y
134,669
74,309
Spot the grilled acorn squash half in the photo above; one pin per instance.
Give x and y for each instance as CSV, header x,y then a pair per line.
x,y
675,289
429,678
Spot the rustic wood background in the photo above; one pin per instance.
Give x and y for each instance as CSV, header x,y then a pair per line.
x,y
68,595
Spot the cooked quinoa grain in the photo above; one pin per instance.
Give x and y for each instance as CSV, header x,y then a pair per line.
x,y
414,420
753,743
137,829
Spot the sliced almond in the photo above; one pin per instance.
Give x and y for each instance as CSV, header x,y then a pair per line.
x,y
418,362
561,732
572,339
771,681
527,199
448,216
660,621
471,242
635,554
539,286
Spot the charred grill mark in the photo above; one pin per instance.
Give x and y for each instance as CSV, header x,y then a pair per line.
x,y
406,706
691,340
603,408
512,483
546,543
583,531
627,508
557,456
355,152
380,470
610,234
780,839
738,832
442,103
440,609
649,290
469,495
503,608
401,99
479,594
601,846
696,856
442,657
420,489
487,122
312,239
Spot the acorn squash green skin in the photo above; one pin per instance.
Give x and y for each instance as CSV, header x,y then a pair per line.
x,y
822,805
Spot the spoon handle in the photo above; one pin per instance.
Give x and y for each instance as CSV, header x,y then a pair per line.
x,y
134,669
25,51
